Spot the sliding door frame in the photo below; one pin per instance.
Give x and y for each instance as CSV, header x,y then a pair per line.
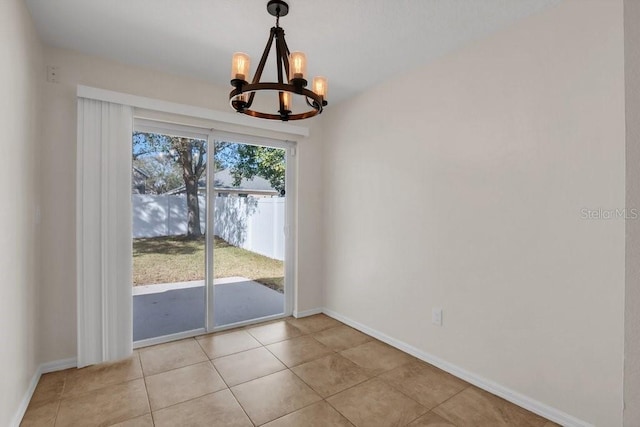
x,y
290,263
211,136
165,128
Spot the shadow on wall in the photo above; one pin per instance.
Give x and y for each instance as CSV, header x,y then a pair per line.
x,y
231,217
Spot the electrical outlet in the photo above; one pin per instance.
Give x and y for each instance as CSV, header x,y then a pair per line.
x,y
52,74
436,316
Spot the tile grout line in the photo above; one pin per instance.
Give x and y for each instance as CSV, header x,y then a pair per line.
x,y
446,400
172,369
301,363
241,407
411,398
55,420
359,383
102,387
232,394
193,398
295,410
185,401
287,368
257,378
64,385
396,388
279,341
289,413
230,354
146,389
197,397
323,399
276,357
338,392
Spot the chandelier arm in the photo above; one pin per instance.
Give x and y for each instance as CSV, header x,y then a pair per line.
x,y
284,52
261,64
250,100
317,102
312,105
279,57
282,110
265,55
286,49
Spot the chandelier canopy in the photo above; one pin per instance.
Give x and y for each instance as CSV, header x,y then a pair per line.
x,y
290,65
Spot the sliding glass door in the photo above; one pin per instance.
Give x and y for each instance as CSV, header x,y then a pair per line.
x,y
169,199
249,202
210,236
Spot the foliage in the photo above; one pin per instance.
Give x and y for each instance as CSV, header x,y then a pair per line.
x,y
266,162
189,154
163,173
226,155
167,158
184,151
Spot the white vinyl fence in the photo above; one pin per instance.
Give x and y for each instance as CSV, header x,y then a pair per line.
x,y
255,224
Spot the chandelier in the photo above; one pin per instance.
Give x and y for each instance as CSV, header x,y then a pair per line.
x,y
290,65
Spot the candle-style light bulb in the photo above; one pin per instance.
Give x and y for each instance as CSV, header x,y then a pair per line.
x,y
320,86
240,66
286,100
297,66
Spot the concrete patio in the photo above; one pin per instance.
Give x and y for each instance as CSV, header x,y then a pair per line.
x,y
170,308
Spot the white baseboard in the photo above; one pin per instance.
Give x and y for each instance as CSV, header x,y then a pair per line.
x,y
512,396
58,365
305,313
45,368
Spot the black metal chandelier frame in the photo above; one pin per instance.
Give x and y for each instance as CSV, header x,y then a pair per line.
x,y
277,8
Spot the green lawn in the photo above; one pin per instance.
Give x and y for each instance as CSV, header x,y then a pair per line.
x,y
179,259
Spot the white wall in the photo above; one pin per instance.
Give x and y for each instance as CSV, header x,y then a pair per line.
x,y
632,297
21,73
490,154
58,329
310,225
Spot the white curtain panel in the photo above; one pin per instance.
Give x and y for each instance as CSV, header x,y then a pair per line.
x,y
104,254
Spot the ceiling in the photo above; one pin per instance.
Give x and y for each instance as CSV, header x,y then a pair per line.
x,y
354,43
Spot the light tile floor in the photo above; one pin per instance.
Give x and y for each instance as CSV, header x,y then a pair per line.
x,y
305,372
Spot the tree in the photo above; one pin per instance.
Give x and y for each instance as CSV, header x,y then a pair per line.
x,y
190,154
266,162
164,174
226,154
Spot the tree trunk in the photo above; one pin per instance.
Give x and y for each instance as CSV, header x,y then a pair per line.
x,y
191,175
193,207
